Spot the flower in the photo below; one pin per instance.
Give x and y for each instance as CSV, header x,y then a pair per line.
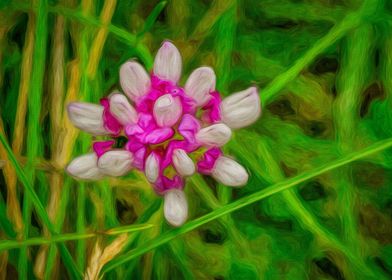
x,y
171,131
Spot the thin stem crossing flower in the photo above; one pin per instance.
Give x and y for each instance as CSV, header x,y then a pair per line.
x,y
171,131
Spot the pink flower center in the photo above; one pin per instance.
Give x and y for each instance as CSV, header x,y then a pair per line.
x,y
145,136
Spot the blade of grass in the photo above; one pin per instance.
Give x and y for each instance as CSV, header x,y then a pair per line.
x,y
83,57
205,26
34,129
351,80
89,76
352,20
303,11
68,261
146,270
46,255
178,14
386,70
20,118
304,217
133,266
60,217
14,211
5,223
127,37
80,225
146,217
247,200
183,263
24,87
272,90
12,244
106,193
50,262
152,17
224,194
100,38
224,44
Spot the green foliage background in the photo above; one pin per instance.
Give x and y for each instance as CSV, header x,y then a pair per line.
x,y
318,204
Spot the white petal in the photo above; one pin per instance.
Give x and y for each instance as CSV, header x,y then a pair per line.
x,y
175,207
199,85
85,167
167,110
167,64
122,110
134,80
88,117
152,167
242,108
214,135
229,172
183,163
115,163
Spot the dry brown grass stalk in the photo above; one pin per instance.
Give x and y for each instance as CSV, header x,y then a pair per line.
x,y
13,208
3,265
99,257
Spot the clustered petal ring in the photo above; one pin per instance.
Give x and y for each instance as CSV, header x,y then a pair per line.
x,y
171,132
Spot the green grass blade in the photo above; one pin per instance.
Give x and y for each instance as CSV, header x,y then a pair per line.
x,y
127,229
140,49
304,217
106,193
50,262
247,200
152,18
12,244
51,259
5,223
68,261
127,37
80,225
34,127
270,92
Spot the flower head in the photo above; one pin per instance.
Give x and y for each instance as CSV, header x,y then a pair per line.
x,y
171,131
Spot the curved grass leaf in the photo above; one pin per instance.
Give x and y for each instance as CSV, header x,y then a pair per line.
x,y
68,261
11,244
270,92
247,200
121,33
152,18
5,223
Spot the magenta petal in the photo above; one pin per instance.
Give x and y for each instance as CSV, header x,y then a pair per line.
x,y
160,87
206,164
212,111
164,184
188,127
133,129
188,104
168,158
159,135
177,182
146,121
110,123
133,146
173,145
139,156
102,147
139,152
